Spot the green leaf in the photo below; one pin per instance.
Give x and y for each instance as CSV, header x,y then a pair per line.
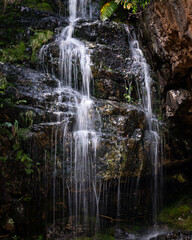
x,y
7,124
23,158
16,124
3,159
19,155
107,10
27,198
21,101
28,171
16,146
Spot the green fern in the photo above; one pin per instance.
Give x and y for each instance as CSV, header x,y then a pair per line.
x,y
107,10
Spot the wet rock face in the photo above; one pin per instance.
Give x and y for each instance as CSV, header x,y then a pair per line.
x,y
184,235
106,33
108,47
120,234
120,126
165,29
26,20
121,150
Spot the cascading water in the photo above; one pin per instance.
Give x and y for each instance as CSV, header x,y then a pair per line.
x,y
79,146
152,122
84,193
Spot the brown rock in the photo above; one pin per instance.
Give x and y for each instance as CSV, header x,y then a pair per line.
x,y
174,99
9,226
167,26
165,29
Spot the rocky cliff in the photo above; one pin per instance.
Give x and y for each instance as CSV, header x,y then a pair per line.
x,y
165,29
34,156
29,98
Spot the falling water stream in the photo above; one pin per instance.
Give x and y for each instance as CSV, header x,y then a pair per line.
x,y
75,72
79,147
79,141
152,123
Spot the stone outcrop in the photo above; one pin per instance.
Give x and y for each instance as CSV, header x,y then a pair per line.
x,y
165,29
168,26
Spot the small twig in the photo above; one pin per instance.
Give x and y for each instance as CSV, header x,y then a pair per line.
x,y
112,219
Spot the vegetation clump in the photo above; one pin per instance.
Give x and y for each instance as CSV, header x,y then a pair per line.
x,y
14,135
178,215
42,5
18,53
39,38
15,53
39,5
133,6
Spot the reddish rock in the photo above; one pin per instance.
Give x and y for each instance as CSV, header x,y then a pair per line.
x,y
165,30
166,26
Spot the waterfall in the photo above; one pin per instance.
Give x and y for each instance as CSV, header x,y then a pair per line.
x,y
79,144
152,123
74,140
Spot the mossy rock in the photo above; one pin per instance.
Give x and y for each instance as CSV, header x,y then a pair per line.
x,y
18,53
39,38
178,215
107,235
15,53
39,5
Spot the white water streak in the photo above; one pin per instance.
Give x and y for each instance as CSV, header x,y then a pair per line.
x,y
139,59
74,82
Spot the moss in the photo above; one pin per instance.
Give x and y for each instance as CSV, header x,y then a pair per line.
x,y
134,229
42,6
178,215
11,28
23,133
107,235
16,53
6,100
180,178
39,38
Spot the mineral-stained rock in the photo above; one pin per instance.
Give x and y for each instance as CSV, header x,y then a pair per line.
x,y
165,30
121,150
167,25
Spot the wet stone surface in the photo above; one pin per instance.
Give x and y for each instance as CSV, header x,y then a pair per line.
x,y
107,44
119,125
177,235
